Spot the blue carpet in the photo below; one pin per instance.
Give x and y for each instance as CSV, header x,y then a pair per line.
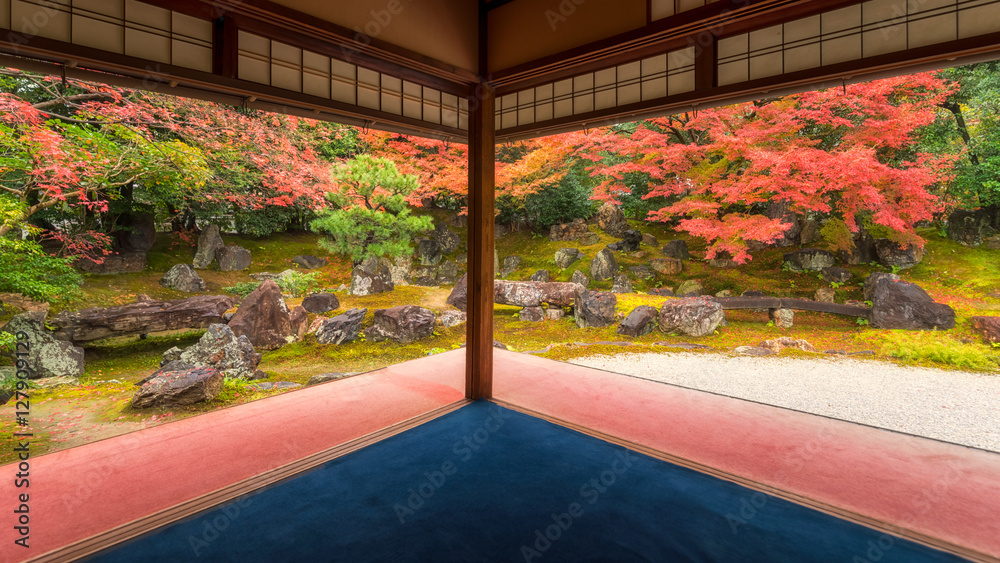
x,y
488,484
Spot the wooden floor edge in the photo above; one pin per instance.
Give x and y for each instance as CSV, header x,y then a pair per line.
x,y
841,513
116,536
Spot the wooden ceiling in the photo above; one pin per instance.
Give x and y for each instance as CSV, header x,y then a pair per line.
x,y
555,65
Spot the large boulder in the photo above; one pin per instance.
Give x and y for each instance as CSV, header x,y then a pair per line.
x,y
370,277
987,327
264,318
220,348
569,231
780,210
604,266
690,288
209,241
169,389
532,314
676,249
541,276
809,260
901,256
142,317
642,272
611,220
968,227
810,232
47,357
897,304
631,239
836,275
565,257
873,280
309,262
136,232
641,321
782,318
459,296
112,264
183,278
342,328
692,316
233,258
403,324
533,294
299,319
447,241
580,278
321,303
594,308
667,266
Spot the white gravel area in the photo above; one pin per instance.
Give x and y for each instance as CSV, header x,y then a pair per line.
x,y
954,406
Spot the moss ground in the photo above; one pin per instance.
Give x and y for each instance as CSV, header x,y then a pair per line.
x,y
966,278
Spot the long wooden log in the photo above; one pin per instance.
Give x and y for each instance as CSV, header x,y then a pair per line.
x,y
730,303
141,317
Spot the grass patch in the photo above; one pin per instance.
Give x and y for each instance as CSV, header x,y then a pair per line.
x,y
936,349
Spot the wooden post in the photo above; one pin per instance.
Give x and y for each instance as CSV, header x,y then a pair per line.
x,y
479,329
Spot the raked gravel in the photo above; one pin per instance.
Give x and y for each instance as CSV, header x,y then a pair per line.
x,y
954,406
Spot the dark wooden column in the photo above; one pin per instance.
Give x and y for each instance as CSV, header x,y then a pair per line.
x,y
479,330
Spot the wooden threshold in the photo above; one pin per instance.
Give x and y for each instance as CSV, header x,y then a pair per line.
x,y
121,534
826,508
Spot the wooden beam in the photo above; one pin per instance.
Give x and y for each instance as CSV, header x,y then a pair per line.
x,y
482,154
225,48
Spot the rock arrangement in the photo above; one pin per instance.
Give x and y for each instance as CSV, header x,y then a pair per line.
x,y
640,322
343,328
631,239
897,304
594,308
209,241
233,258
692,316
370,277
576,230
611,220
809,260
566,257
320,303
604,266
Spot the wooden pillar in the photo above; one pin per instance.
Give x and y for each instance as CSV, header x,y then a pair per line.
x,y
479,330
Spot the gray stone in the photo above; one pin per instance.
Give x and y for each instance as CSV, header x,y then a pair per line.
x,y
782,318
611,220
220,348
172,355
810,232
532,314
690,288
209,241
724,293
321,303
141,317
540,276
264,318
723,262
667,266
233,258
641,321
862,250
447,241
642,272
873,280
967,227
569,231
309,262
631,239
459,296
370,277
589,239
447,273
510,264
780,210
594,308
621,284
604,266
809,260
533,294
580,278
429,253
343,328
274,386
837,275
399,269
183,278
565,257
46,357
554,313
778,344
753,351
178,388
677,248
692,316
650,240
893,255
453,318
403,324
